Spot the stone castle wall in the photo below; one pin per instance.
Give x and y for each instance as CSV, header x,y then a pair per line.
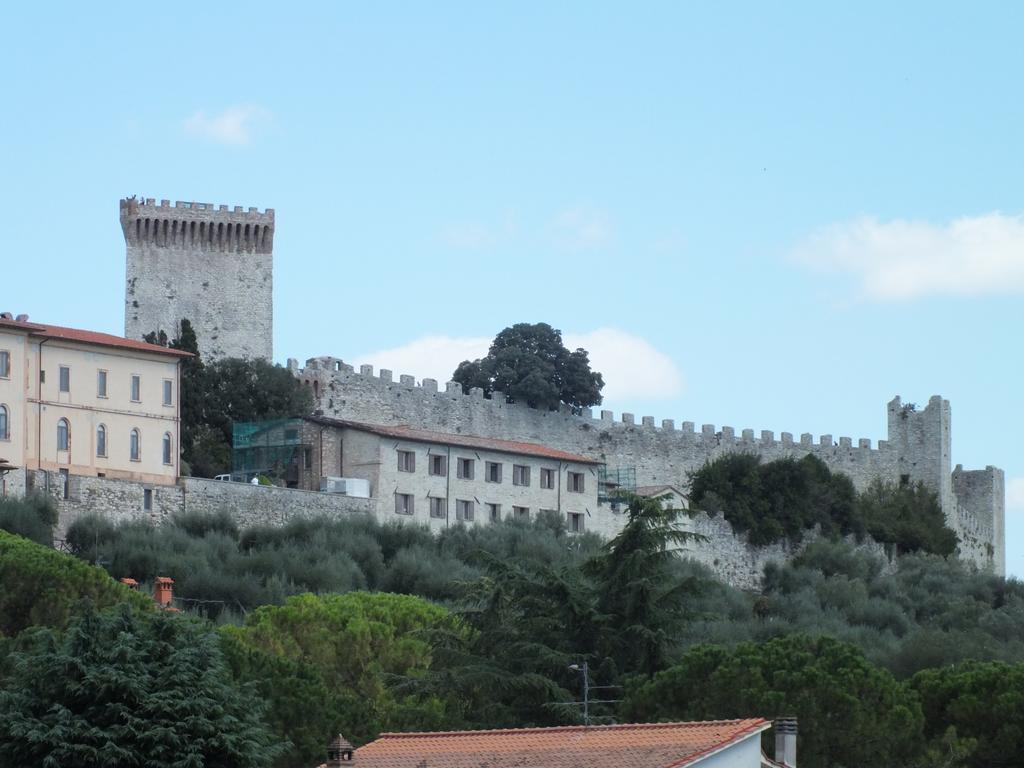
x,y
209,264
917,449
125,500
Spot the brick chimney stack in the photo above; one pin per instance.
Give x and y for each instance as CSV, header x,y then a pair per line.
x,y
163,591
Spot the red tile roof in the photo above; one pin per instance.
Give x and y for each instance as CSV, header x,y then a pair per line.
x,y
651,745
403,432
90,337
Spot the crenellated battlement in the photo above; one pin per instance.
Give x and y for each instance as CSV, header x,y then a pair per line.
x,y
212,264
196,226
322,370
917,447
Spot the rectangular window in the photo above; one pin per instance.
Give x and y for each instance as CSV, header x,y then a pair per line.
x,y
464,510
404,503
576,482
406,461
438,466
136,388
307,458
437,508
65,482
147,499
65,379
547,478
168,392
5,364
493,473
521,513
464,469
520,474
494,512
101,383
575,522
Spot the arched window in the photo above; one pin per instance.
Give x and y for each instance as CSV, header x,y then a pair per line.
x,y
63,435
134,449
167,447
101,440
4,434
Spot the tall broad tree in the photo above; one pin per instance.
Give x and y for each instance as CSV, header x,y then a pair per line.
x,y
127,688
530,364
640,596
851,713
215,395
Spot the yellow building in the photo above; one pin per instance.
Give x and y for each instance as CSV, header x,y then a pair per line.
x,y
85,403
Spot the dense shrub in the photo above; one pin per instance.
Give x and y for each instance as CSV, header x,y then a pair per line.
x,y
32,517
776,500
782,499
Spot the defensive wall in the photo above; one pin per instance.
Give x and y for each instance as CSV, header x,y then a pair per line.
x,y
918,447
210,264
129,501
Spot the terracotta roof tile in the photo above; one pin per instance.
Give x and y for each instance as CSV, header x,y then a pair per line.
x,y
653,745
90,337
403,432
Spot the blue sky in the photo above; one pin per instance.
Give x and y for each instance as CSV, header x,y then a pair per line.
x,y
764,217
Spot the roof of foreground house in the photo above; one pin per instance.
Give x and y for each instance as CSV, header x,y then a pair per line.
x,y
403,432
647,745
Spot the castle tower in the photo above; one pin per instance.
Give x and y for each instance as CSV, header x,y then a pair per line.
x,y
209,264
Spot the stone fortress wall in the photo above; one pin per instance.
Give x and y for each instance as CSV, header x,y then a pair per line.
x,y
206,263
917,448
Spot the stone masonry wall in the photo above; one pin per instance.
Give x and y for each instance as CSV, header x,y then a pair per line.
x,y
918,448
211,265
124,500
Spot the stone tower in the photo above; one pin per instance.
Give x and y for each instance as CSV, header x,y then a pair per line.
x,y
212,265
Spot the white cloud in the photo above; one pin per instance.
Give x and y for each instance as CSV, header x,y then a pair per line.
x,y
894,260
1015,494
234,125
582,229
631,366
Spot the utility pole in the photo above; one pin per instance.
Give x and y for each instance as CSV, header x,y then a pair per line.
x,y
585,669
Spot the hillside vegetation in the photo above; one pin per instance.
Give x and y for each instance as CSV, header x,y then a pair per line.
x,y
347,624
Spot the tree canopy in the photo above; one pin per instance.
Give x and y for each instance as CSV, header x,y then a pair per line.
x,y
782,499
530,364
345,651
128,688
851,713
214,395
42,587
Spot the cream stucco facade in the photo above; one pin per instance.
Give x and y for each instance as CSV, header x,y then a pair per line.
x,y
85,403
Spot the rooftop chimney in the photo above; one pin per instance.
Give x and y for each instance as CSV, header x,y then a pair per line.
x,y
130,583
163,591
785,741
340,753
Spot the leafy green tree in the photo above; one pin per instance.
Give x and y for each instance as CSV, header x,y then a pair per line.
x,y
851,713
776,500
908,516
530,364
981,701
32,517
40,586
126,688
349,650
639,600
217,394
